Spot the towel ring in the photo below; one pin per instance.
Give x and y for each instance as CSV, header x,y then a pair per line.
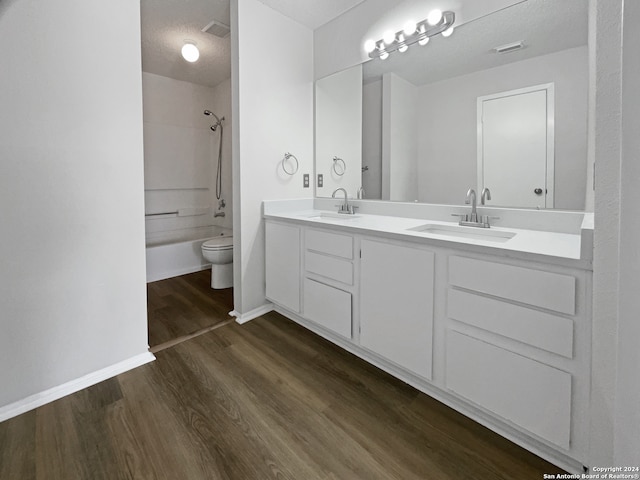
x,y
287,156
339,170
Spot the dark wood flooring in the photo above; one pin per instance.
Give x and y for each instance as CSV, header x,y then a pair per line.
x,y
180,306
267,400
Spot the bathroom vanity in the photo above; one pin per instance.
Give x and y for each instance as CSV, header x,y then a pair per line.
x,y
493,323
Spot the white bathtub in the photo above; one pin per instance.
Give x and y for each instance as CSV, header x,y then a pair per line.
x,y
178,252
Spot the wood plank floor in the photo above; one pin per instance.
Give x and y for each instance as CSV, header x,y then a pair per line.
x,y
265,400
178,307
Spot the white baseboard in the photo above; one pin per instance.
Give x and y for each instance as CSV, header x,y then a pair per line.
x,y
157,276
38,399
242,318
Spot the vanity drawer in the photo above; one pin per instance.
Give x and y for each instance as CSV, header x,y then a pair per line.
x,y
552,291
529,394
330,267
533,327
328,306
329,243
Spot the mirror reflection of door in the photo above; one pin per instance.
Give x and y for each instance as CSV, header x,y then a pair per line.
x,y
516,146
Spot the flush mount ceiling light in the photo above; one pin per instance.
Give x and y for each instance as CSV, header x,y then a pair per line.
x,y
190,52
436,23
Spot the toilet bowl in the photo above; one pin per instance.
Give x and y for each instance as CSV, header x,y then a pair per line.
x,y
219,252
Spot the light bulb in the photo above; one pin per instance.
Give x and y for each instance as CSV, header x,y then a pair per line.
x,y
190,52
447,32
410,27
423,41
384,55
369,46
389,37
434,17
403,48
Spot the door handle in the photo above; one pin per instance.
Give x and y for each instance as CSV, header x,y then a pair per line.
x,y
538,191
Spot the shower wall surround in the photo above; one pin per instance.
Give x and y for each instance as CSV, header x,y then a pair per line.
x,y
180,152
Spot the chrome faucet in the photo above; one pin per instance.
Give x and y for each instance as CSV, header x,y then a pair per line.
x,y
471,199
345,207
472,219
485,195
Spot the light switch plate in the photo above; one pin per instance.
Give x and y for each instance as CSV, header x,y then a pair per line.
x,y
305,180
320,180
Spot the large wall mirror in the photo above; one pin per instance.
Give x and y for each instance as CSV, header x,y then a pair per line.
x,y
428,124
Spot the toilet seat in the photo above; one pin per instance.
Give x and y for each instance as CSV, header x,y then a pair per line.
x,y
218,243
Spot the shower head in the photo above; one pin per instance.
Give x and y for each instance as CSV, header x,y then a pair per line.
x,y
218,120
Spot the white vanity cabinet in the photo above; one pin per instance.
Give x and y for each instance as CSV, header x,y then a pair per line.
x,y
505,340
329,280
516,344
396,304
282,265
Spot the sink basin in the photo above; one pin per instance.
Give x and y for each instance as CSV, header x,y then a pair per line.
x,y
472,233
331,216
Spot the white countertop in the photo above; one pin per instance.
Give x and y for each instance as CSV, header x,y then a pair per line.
x,y
550,247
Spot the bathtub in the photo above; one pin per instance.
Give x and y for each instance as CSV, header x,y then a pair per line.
x,y
178,252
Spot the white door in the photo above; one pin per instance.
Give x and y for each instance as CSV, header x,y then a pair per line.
x,y
515,147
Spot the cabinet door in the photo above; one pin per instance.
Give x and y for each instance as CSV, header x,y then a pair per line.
x,y
396,304
282,265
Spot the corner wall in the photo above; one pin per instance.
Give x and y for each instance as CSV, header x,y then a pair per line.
x,y
627,417
606,82
272,84
72,268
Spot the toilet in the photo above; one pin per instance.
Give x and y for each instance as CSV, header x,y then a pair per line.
x,y
219,252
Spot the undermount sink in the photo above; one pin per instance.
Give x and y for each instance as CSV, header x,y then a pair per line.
x,y
331,216
473,233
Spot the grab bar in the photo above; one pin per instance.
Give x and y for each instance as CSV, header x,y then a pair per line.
x,y
156,214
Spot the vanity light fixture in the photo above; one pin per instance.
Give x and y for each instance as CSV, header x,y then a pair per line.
x,y
190,52
434,17
436,23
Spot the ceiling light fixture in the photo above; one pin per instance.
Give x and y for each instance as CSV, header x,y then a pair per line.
x,y
436,23
190,52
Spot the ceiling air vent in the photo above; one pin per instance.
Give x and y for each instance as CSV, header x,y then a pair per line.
x,y
510,47
217,28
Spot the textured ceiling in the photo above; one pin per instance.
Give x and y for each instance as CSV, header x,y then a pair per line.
x,y
166,24
312,13
545,26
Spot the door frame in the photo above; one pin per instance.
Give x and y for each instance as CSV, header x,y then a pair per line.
x,y
549,88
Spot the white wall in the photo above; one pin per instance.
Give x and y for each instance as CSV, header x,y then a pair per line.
x,y
272,83
399,139
222,107
448,127
627,417
338,102
606,262
372,139
72,272
181,152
